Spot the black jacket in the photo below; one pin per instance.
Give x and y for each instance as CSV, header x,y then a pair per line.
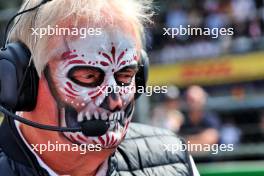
x,y
142,153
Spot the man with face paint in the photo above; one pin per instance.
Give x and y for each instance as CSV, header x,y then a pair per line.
x,y
80,82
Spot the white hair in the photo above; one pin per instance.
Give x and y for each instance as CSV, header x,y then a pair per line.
x,y
134,13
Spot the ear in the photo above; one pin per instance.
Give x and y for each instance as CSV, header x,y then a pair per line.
x,y
46,110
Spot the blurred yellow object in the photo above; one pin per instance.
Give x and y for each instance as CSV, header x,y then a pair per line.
x,y
227,69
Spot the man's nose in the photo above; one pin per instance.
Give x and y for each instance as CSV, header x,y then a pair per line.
x,y
112,102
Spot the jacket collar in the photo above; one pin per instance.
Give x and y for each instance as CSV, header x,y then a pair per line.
x,y
15,148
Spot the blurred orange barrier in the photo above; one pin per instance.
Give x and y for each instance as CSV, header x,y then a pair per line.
x,y
226,69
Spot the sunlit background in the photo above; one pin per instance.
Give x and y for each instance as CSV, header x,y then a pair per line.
x,y
215,86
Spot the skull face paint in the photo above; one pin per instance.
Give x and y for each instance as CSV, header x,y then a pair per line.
x,y
79,78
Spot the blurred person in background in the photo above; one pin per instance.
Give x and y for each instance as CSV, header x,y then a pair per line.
x,y
200,126
168,115
230,133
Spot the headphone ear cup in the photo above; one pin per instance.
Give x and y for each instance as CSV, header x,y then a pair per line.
x,y
8,83
28,97
142,74
15,59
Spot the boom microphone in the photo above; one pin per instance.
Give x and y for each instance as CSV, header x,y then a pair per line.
x,y
88,128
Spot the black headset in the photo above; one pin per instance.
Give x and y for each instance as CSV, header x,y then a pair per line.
x,y
19,78
19,87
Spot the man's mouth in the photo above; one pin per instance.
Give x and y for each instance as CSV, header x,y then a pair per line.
x,y
117,121
108,117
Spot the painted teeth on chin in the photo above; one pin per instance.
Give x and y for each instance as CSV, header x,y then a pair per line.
x,y
114,116
122,115
63,122
104,116
96,115
118,116
111,117
88,116
80,117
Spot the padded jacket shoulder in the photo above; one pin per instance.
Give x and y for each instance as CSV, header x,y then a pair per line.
x,y
143,153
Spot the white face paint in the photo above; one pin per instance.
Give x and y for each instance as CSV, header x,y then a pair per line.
x,y
82,77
